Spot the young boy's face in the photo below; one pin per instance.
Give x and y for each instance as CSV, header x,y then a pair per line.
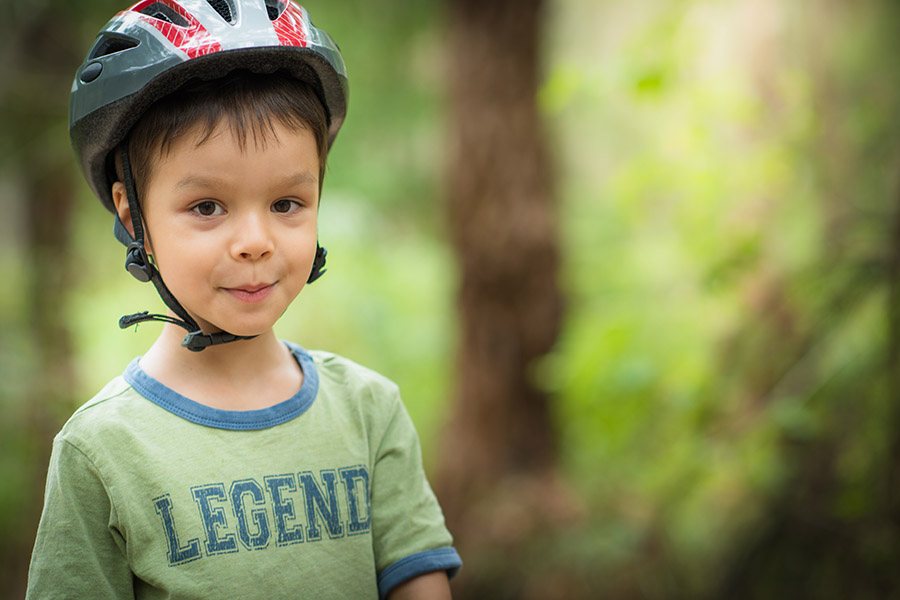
x,y
233,229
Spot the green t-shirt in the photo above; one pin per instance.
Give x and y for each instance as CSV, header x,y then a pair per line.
x,y
152,495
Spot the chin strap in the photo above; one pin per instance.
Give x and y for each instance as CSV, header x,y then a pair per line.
x,y
140,265
195,340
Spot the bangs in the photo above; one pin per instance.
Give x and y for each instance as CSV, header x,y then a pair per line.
x,y
250,105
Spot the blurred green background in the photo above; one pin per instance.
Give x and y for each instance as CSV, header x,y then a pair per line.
x,y
726,384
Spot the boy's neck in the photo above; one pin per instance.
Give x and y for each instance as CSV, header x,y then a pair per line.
x,y
243,375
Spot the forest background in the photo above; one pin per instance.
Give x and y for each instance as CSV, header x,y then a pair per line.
x,y
722,389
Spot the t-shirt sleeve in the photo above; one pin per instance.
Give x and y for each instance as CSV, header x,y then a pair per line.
x,y
410,536
78,553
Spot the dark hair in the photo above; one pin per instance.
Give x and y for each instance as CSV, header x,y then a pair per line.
x,y
250,103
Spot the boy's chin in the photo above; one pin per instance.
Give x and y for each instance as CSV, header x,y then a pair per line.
x,y
239,329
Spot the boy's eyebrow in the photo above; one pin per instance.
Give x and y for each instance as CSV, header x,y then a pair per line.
x,y
301,178
198,181
298,178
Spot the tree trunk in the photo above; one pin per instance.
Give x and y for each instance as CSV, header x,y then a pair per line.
x,y
499,453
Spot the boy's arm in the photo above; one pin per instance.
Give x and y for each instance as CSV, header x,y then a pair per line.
x,y
411,542
430,586
77,552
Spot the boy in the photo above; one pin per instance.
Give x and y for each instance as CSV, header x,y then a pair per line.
x,y
224,463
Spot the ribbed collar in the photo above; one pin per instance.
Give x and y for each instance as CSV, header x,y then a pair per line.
x,y
239,420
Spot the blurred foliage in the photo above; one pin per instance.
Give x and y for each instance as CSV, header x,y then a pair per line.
x,y
731,191
728,196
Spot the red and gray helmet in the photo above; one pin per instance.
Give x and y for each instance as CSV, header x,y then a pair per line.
x,y
151,49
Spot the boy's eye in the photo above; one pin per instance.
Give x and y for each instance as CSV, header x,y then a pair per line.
x,y
208,208
285,206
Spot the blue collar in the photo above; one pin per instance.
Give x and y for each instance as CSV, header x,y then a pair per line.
x,y
238,420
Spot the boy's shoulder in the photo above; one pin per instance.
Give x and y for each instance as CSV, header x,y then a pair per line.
x,y
111,409
355,389
336,370
106,404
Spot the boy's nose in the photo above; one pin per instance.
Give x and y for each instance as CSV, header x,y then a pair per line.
x,y
252,238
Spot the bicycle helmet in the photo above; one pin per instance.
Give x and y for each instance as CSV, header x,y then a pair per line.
x,y
151,49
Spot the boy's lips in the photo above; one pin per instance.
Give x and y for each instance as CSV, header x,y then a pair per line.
x,y
251,293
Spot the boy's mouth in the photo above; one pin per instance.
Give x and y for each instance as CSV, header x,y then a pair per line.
x,y
252,293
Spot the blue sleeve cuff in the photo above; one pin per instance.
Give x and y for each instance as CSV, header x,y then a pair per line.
x,y
442,559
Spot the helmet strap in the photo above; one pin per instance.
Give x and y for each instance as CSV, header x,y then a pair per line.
x,y
140,265
318,268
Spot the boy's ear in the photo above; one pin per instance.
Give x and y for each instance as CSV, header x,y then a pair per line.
x,y
120,199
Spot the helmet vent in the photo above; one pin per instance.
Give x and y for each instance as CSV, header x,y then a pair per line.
x,y
275,8
223,7
163,12
110,45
